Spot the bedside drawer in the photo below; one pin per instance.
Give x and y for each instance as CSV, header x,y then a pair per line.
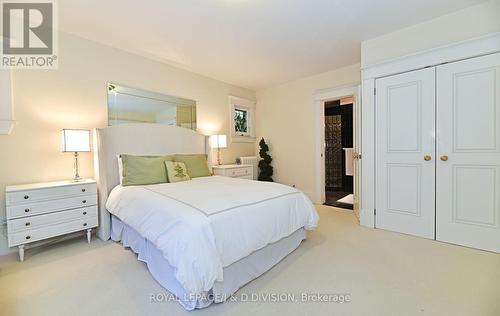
x,y
37,221
32,235
44,194
239,172
50,206
245,177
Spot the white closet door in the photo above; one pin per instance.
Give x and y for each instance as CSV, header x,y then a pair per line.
x,y
405,147
468,182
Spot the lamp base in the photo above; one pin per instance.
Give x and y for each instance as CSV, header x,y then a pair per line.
x,y
79,179
218,157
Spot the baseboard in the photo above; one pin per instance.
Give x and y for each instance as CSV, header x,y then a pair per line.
x,y
367,218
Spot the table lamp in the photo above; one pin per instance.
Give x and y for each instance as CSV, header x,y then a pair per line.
x,y
75,141
218,141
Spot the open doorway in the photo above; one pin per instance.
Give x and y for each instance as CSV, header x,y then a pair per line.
x,y
328,101
339,162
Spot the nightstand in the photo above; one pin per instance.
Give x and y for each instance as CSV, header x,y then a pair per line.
x,y
234,171
43,210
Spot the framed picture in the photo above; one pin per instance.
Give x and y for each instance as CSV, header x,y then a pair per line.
x,y
242,119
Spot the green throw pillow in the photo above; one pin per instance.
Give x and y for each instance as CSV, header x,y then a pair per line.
x,y
176,171
141,170
196,164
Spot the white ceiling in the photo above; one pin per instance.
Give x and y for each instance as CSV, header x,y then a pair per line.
x,y
249,43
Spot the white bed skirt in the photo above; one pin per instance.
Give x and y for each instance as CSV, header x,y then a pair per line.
x,y
235,275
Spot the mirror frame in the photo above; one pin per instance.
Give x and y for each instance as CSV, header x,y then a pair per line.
x,y
123,89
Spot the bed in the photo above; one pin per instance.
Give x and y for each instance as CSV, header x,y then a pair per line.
x,y
201,239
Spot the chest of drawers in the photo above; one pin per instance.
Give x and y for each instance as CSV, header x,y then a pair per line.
x,y
45,210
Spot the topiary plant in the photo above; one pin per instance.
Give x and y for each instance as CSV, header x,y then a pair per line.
x,y
266,170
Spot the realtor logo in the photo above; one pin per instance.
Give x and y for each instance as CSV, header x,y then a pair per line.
x,y
28,30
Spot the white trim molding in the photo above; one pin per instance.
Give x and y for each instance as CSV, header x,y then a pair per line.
x,y
320,97
367,212
6,106
480,46
237,103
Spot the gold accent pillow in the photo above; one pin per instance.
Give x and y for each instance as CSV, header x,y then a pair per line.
x,y
176,171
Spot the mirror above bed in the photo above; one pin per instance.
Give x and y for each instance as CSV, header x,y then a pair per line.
x,y
131,105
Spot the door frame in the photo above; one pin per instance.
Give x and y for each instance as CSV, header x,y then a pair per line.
x,y
484,45
320,97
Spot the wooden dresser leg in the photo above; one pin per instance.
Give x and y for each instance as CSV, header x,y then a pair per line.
x,y
89,235
21,253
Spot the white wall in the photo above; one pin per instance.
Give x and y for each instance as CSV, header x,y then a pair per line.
x,y
286,119
458,26
74,96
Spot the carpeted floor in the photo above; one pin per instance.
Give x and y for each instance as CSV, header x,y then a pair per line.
x,y
384,273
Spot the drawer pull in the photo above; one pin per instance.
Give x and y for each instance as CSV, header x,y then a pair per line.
x,y
26,210
83,190
84,224
27,223
84,201
84,213
28,237
26,197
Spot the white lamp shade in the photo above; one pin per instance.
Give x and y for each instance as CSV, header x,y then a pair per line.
x,y
75,140
218,141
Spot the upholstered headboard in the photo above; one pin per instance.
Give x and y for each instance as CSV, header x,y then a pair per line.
x,y
138,139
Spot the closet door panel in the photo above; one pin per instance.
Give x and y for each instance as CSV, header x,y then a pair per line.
x,y
405,146
468,134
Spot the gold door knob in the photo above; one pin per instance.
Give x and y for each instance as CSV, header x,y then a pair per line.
x,y
444,158
427,157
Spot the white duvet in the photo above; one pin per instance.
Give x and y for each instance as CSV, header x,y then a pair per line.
x,y
208,223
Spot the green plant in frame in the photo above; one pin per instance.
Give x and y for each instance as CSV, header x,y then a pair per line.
x,y
240,121
266,170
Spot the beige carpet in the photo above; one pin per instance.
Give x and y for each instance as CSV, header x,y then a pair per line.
x,y
385,274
